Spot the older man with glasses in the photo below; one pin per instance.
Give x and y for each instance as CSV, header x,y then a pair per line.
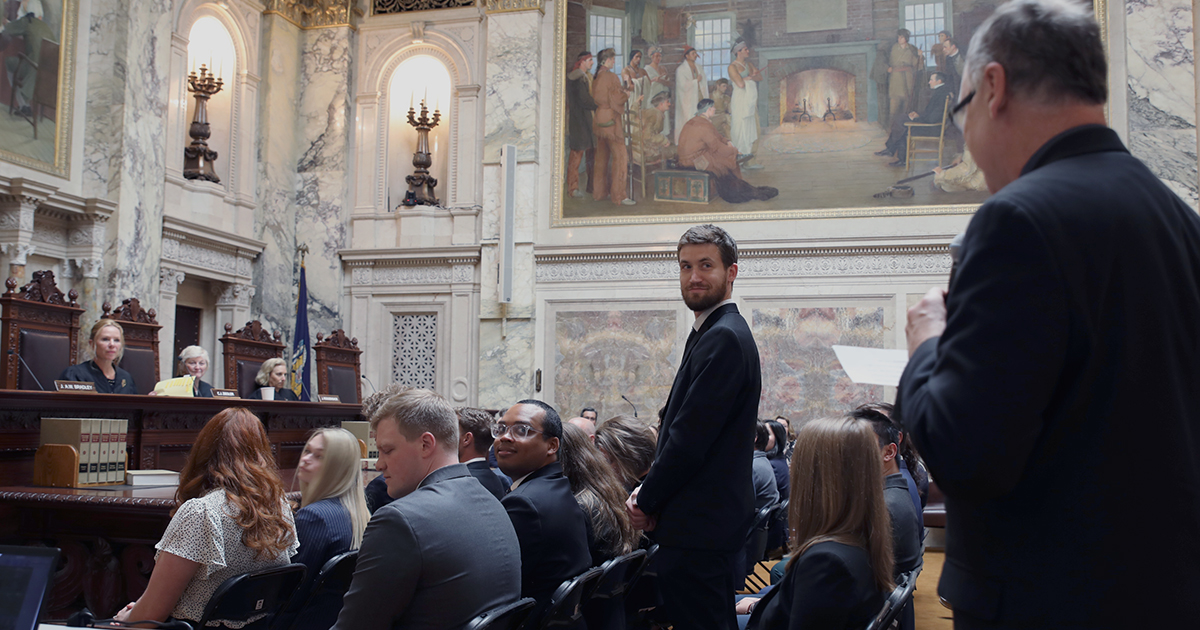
x,y
1051,390
550,526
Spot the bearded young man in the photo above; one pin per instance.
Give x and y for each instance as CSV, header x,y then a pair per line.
x,y
697,500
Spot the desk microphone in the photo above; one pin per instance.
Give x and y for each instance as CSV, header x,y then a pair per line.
x,y
630,404
955,255
27,368
364,377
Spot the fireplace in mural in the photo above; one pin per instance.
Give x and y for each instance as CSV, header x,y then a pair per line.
x,y
819,94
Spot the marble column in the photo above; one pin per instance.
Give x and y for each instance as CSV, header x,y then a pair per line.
x,y
1161,65
87,275
124,137
168,293
514,61
16,229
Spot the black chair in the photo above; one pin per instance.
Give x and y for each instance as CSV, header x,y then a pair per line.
x,y
318,605
900,597
255,594
507,617
565,610
642,598
604,609
756,545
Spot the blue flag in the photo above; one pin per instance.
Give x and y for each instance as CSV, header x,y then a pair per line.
x,y
300,370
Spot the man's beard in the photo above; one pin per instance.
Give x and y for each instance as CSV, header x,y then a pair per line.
x,y
709,299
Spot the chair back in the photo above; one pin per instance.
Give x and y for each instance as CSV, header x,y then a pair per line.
x,y
45,89
566,607
245,351
243,597
605,607
896,602
141,342
39,324
318,605
756,541
338,366
506,617
641,598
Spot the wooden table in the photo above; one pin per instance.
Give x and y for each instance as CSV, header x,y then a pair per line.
x,y
107,539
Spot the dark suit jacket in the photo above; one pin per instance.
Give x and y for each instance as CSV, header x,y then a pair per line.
x,y
434,559
488,479
699,486
829,587
204,390
324,531
552,532
1057,410
89,371
280,394
932,114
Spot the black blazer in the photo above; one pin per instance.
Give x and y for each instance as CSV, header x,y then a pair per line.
x,y
550,527
324,530
89,371
700,484
280,394
1057,412
829,587
203,390
483,472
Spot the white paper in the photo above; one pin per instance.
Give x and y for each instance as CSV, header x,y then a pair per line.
x,y
872,366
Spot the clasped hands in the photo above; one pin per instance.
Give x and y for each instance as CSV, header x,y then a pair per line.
x,y
640,519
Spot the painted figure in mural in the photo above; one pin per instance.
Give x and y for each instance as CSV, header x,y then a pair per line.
x,y
935,109
953,63
31,26
652,22
636,80
657,75
612,161
720,97
743,105
580,106
938,51
903,62
653,119
962,174
703,148
690,86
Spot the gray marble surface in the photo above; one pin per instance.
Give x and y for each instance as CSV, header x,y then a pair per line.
x,y
505,363
513,65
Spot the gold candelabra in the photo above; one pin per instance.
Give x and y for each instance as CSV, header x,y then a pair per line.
x,y
420,183
198,158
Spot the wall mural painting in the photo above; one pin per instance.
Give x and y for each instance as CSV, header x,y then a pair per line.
x,y
37,42
801,377
811,108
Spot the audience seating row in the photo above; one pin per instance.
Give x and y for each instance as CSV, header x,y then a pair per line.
x,y
41,326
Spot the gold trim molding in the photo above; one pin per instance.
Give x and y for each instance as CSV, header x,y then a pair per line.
x,y
510,6
313,14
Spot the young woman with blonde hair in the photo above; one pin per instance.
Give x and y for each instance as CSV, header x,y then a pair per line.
x,y
106,345
232,519
841,565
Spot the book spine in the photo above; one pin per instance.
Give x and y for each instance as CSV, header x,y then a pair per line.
x,y
84,444
122,437
105,449
94,459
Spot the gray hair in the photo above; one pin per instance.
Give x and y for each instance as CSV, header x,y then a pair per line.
x,y
192,352
706,234
419,411
1050,50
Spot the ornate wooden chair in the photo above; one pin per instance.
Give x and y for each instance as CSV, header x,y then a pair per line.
x,y
339,367
141,342
40,325
245,351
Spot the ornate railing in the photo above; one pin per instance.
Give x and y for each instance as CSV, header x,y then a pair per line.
x,y
384,7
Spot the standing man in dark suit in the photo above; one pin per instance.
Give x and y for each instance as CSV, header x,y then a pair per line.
x,y
698,499
444,551
474,442
1052,390
543,510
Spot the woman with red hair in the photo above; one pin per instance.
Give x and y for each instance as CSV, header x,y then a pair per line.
x,y
232,518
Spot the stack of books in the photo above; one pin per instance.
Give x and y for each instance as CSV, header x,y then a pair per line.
x,y
100,443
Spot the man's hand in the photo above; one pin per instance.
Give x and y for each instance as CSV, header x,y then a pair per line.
x,y
912,115
639,518
926,319
745,605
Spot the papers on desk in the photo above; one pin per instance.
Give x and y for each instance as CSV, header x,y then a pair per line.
x,y
182,386
872,366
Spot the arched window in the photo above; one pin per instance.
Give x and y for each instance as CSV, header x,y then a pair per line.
x,y
210,44
418,78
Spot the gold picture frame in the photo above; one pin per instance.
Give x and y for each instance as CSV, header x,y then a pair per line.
x,y
35,134
851,54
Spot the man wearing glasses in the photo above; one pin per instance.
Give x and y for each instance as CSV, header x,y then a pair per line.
x,y
1051,390
550,526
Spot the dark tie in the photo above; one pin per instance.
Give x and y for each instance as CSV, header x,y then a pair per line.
x,y
691,341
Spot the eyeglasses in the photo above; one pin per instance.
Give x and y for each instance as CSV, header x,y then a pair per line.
x,y
519,431
959,113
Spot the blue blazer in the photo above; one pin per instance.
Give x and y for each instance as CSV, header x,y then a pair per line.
x,y
324,530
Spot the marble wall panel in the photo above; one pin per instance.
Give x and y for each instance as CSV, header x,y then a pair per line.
x,y
1161,66
513,65
601,355
505,363
801,377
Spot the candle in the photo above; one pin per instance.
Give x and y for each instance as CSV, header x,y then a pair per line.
x,y
411,96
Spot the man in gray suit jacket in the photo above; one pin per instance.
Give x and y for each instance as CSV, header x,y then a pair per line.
x,y
445,550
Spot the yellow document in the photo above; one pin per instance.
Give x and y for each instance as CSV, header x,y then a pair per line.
x,y
182,386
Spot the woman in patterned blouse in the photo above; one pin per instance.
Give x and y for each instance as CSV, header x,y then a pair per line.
x,y
232,519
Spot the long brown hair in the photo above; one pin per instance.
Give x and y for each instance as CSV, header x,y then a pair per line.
x,y
597,490
232,453
837,493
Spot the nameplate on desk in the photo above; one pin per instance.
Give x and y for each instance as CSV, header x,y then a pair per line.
x,y
225,393
328,398
75,386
